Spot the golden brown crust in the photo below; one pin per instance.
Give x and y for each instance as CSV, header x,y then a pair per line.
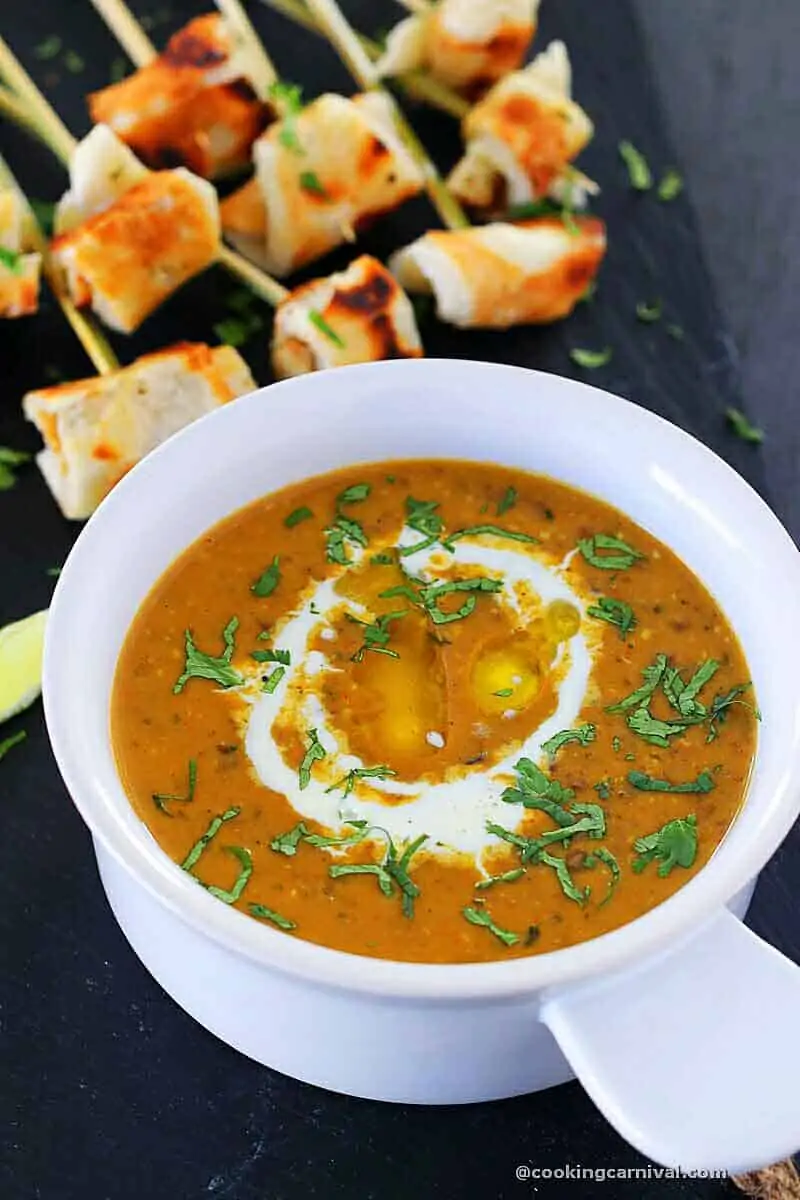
x,y
170,114
126,260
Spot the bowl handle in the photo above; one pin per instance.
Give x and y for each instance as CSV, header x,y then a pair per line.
x,y
694,1055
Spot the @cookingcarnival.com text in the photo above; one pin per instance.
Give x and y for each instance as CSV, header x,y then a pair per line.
x,y
567,1171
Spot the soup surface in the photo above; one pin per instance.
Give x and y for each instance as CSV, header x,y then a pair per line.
x,y
434,711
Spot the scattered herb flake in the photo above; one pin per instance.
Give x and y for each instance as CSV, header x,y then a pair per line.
x,y
311,182
48,49
605,856
287,843
270,684
676,332
382,560
343,530
591,359
648,313
207,666
10,742
9,460
11,260
504,693
317,319
508,500
670,186
376,635
743,428
118,70
603,788
639,174
73,62
616,744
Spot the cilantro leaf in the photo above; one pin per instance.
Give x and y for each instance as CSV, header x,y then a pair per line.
x,y
198,848
299,514
317,319
584,734
348,782
376,635
509,500
479,916
671,185
590,360
646,783
622,555
355,494
493,530
161,799
269,914
743,428
674,845
614,612
208,666
10,742
315,753
267,582
231,895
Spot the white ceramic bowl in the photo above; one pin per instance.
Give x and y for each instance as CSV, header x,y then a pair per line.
x,y
681,1024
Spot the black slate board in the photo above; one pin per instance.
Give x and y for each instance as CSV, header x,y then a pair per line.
x,y
109,1090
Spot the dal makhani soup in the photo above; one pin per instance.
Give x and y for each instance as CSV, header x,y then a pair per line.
x,y
434,711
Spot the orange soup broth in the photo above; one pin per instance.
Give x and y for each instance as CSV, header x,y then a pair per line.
x,y
385,705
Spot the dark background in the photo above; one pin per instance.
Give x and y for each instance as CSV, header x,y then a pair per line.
x,y
108,1090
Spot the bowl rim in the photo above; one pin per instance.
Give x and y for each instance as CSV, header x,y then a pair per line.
x,y
674,920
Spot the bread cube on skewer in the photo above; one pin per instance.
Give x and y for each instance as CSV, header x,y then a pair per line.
x,y
127,237
194,105
499,275
521,139
20,267
353,316
96,429
467,44
320,175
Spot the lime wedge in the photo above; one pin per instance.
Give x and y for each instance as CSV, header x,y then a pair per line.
x,y
21,646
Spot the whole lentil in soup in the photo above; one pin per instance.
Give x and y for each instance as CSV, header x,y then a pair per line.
x,y
434,711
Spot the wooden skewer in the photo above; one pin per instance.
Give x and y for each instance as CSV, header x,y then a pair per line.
x,y
93,341
127,30
12,107
333,22
417,84
262,69
63,144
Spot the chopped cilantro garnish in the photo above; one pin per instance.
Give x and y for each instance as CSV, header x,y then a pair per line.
x,y
73,62
509,500
639,173
355,494
479,916
376,635
299,514
348,782
591,359
343,530
584,735
212,831
11,260
207,666
270,684
315,753
393,871
267,582
481,530
268,914
743,428
231,895
674,845
118,70
288,100
161,799
621,555
506,877
704,783
273,656
615,612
